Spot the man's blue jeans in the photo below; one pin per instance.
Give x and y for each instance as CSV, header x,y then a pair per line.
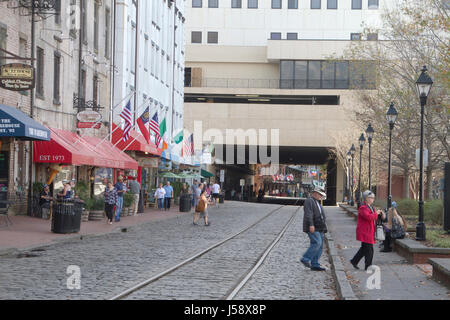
x,y
119,206
161,203
315,249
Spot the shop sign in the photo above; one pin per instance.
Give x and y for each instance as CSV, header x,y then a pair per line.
x,y
148,162
89,119
16,77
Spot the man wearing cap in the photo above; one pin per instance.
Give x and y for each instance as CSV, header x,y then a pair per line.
x,y
314,224
45,202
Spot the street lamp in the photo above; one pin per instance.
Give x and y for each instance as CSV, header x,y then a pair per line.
x,y
370,132
424,84
391,117
352,152
362,140
349,159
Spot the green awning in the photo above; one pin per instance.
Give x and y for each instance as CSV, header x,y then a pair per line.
x,y
207,174
169,175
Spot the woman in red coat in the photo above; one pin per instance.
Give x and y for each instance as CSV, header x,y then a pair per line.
x,y
365,230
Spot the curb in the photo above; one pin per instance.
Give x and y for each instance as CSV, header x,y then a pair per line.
x,y
343,287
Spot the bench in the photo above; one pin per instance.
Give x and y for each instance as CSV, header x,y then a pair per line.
x,y
441,270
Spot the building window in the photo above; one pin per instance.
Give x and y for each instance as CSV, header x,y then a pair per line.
x,y
373,4
107,31
3,38
83,22
293,4
83,84
341,75
372,36
57,9
96,21
95,90
292,36
356,4
331,4
213,3
252,4
40,72
213,37
236,3
196,3
316,4
187,77
355,36
276,4
56,78
275,36
286,74
196,37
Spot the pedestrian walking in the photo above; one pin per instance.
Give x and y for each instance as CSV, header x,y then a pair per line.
x,y
194,189
135,190
215,194
197,194
260,195
120,188
110,201
201,210
314,224
45,202
159,195
365,230
168,195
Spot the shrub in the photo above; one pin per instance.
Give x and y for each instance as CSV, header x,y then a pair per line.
x,y
127,200
408,207
98,204
433,211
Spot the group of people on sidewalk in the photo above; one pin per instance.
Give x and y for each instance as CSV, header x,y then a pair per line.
x,y
164,195
314,224
114,197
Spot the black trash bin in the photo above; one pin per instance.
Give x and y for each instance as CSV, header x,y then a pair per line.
x,y
221,198
66,216
185,203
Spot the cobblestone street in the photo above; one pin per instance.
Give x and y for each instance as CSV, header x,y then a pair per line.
x,y
115,262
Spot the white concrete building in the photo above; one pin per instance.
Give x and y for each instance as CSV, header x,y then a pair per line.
x,y
265,64
149,60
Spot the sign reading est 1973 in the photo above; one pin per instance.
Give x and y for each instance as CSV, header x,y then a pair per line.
x,y
16,77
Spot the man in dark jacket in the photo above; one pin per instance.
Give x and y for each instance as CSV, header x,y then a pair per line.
x,y
314,224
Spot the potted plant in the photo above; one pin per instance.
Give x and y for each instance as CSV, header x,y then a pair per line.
x,y
97,209
127,201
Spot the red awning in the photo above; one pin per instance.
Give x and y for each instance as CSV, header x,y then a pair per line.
x,y
66,147
139,143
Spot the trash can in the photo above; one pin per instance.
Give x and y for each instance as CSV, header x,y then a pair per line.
x,y
185,203
221,198
66,216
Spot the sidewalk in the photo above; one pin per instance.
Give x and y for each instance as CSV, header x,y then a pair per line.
x,y
27,232
399,280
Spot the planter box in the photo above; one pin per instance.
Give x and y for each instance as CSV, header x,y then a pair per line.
x,y
96,215
417,253
85,216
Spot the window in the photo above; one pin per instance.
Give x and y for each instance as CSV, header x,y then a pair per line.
x,y
196,3
316,4
95,90
341,75
356,4
3,37
22,53
236,3
355,36
57,9
56,78
83,22
252,4
40,72
362,75
286,74
331,4
314,74
301,75
275,36
328,75
292,36
293,4
96,18
187,77
213,3
213,37
372,36
107,31
196,37
83,84
276,4
373,4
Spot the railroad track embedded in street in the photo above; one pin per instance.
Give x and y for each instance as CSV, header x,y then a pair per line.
x,y
231,293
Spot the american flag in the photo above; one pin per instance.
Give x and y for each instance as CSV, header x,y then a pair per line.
x,y
127,116
188,146
154,127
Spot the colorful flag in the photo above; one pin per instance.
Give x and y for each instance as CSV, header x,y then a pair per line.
x,y
164,146
142,123
188,146
179,137
128,117
162,128
154,127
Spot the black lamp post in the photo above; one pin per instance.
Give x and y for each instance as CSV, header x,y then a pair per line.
x,y
391,117
424,84
370,132
362,140
352,153
349,159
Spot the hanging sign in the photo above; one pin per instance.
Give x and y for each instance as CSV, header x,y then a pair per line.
x,y
89,119
16,77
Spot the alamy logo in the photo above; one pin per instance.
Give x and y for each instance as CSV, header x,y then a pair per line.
x,y
374,281
74,279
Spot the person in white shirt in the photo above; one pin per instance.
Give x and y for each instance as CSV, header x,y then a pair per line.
x,y
215,193
159,195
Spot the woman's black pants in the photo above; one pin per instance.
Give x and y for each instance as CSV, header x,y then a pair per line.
x,y
365,251
109,208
